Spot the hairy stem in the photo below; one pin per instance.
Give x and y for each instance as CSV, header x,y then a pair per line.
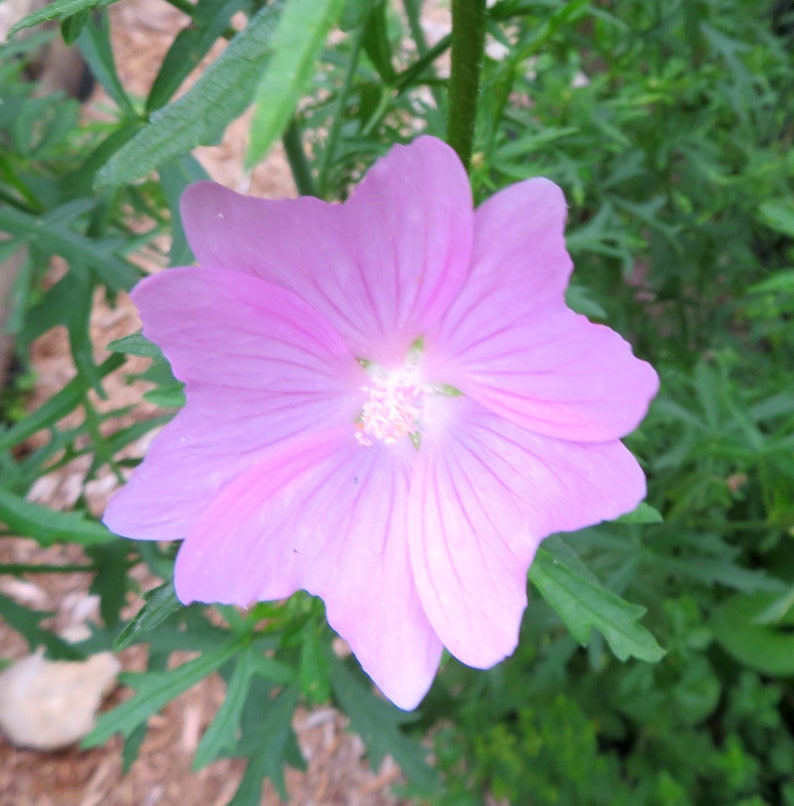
x,y
299,165
468,40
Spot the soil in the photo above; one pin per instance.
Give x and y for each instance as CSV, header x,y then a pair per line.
x,y
337,771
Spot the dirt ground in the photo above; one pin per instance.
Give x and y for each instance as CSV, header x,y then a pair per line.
x,y
337,771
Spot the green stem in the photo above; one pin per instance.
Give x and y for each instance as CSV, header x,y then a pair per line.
x,y
299,165
413,10
468,41
15,569
337,115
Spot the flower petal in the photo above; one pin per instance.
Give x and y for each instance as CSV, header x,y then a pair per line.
x,y
510,342
483,494
381,267
326,515
260,367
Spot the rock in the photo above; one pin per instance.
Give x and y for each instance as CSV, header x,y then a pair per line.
x,y
47,705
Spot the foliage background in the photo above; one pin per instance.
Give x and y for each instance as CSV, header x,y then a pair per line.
x,y
669,124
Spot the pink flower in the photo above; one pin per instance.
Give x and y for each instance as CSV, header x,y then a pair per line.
x,y
389,405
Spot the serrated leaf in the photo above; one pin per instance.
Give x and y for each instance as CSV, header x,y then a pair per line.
x,y
583,604
153,690
296,45
201,115
137,344
378,723
159,604
221,735
644,513
46,526
270,744
57,10
111,580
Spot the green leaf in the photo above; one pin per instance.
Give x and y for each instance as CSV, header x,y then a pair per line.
x,y
644,513
315,683
137,344
378,723
95,45
111,580
72,27
221,735
210,20
778,215
53,233
153,690
57,10
579,299
68,303
175,176
201,115
56,408
26,519
742,627
269,740
296,45
376,41
27,623
166,397
159,604
583,603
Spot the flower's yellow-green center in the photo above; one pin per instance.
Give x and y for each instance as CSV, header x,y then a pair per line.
x,y
394,405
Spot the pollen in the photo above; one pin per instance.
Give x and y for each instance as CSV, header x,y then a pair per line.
x,y
394,407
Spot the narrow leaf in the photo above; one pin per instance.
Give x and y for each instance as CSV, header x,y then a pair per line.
x,y
95,45
26,519
210,20
296,45
57,407
221,735
27,623
57,10
159,605
270,744
72,27
56,236
153,690
201,115
583,603
644,513
378,723
136,344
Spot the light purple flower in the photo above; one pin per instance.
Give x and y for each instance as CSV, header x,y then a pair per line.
x,y
389,405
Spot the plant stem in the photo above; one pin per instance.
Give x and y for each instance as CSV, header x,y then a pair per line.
x,y
26,568
299,165
337,115
468,40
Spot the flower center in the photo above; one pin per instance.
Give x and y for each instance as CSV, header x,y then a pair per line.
x,y
394,406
